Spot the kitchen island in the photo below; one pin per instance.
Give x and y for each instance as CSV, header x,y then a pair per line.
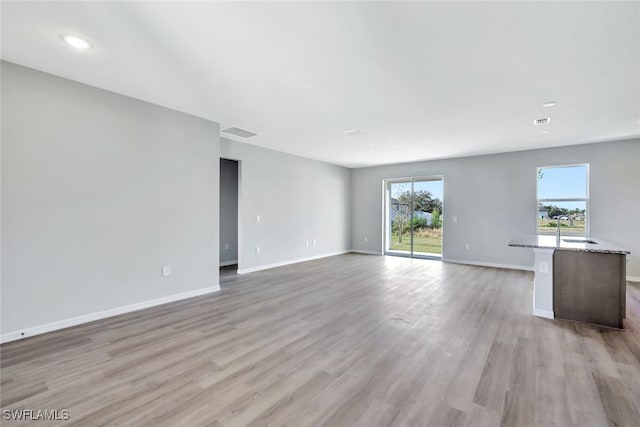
x,y
577,278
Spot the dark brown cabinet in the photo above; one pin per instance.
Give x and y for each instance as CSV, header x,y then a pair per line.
x,y
589,287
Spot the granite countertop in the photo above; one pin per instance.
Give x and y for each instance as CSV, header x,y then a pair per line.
x,y
549,242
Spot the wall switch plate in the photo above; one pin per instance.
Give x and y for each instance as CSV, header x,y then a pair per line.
x,y
366,239
226,246
306,243
166,270
257,249
455,219
257,218
314,243
467,246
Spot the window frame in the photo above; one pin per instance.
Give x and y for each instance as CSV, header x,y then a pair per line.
x,y
386,229
587,208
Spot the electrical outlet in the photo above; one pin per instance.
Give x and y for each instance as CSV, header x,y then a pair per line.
x,y
306,243
543,267
166,270
366,239
455,219
257,218
226,246
314,243
257,249
467,246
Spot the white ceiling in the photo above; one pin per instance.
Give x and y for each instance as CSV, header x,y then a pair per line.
x,y
419,80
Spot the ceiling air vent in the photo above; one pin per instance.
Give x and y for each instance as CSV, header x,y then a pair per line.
x,y
242,133
542,121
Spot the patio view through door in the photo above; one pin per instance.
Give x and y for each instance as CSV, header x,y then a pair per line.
x,y
413,217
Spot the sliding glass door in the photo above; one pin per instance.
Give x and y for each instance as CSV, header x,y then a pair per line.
x,y
413,220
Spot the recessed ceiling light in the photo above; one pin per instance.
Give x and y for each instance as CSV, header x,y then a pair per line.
x,y
549,104
76,42
236,131
352,132
546,131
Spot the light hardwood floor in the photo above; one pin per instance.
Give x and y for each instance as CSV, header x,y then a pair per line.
x,y
352,340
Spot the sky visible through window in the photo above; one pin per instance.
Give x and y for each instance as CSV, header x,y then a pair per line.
x,y
434,187
569,182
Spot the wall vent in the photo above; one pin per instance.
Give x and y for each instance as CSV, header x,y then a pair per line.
x,y
242,133
543,121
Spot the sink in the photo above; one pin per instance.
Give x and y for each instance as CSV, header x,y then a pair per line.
x,y
592,242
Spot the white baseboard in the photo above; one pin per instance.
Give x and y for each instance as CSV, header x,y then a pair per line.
x,y
283,263
633,279
543,313
359,251
491,264
226,263
86,318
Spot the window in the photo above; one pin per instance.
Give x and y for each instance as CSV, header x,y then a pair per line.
x,y
563,195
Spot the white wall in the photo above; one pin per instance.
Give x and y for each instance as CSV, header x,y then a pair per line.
x,y
494,198
297,199
99,191
228,211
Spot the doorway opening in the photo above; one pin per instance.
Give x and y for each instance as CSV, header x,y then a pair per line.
x,y
229,179
413,217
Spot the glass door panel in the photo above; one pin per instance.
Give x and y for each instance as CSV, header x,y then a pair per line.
x,y
427,218
413,220
399,218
